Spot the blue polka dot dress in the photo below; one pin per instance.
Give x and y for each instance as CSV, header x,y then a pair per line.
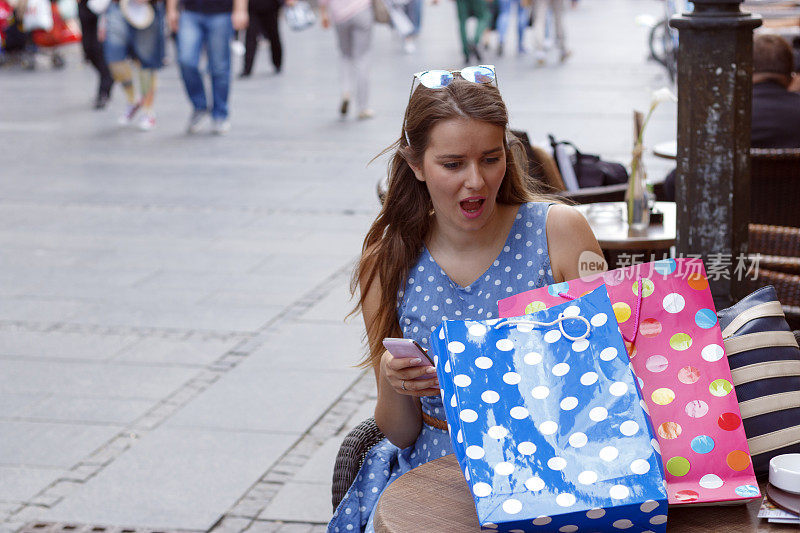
x,y
428,298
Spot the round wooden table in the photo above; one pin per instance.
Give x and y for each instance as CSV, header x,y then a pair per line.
x,y
434,498
624,246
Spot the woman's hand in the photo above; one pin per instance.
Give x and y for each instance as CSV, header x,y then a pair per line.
x,y
402,374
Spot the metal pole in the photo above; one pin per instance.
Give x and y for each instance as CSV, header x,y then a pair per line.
x,y
715,67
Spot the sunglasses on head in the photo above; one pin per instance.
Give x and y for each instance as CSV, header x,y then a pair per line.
x,y
438,79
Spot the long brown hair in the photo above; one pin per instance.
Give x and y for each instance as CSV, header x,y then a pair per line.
x,y
397,236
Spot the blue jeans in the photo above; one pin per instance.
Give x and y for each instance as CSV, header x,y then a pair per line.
x,y
413,9
212,31
123,40
504,19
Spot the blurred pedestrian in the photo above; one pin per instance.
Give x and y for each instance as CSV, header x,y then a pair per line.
x,y
207,24
93,52
504,20
556,9
413,10
143,43
352,20
466,9
263,21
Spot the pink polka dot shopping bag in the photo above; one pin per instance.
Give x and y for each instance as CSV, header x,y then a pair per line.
x,y
546,421
666,314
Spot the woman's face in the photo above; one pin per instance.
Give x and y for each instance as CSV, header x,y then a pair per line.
x,y
463,167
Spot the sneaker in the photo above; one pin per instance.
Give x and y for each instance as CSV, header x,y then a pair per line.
x,y
565,54
541,58
147,122
366,114
127,117
196,121
409,46
221,126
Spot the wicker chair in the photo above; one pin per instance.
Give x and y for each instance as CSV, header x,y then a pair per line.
x,y
351,456
774,186
779,265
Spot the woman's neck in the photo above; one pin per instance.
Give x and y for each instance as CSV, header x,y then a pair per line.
x,y
447,239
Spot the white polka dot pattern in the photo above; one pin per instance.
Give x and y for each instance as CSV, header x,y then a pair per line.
x,y
579,399
578,439
534,484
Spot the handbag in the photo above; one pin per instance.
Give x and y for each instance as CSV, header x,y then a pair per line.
x,y
765,366
589,169
666,313
380,12
61,33
299,16
546,423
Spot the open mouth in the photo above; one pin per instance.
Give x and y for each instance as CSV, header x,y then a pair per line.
x,y
472,206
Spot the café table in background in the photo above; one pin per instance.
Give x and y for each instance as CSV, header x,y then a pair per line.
x,y
666,149
434,498
622,245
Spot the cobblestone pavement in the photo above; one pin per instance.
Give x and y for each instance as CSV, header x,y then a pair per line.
x,y
173,354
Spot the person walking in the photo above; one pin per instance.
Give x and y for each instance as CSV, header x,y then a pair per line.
x,y
207,24
504,20
352,20
556,8
145,45
263,21
413,10
93,51
480,10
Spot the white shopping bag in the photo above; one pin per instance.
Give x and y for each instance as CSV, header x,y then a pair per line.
x,y
38,16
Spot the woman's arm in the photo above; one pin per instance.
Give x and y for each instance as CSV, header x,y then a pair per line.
x,y
398,413
569,236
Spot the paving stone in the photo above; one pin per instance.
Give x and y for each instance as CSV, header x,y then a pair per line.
x,y
314,342
50,445
22,483
307,502
101,410
295,528
263,527
179,352
158,484
319,467
250,398
15,405
248,508
91,380
231,524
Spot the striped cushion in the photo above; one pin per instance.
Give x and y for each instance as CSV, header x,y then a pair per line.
x,y
765,365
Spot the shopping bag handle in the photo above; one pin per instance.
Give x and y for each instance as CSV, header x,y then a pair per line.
x,y
560,321
632,340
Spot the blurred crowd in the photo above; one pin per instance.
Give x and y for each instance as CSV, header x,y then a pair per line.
x,y
125,41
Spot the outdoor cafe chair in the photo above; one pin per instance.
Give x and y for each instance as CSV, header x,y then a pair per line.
x,y
775,186
351,455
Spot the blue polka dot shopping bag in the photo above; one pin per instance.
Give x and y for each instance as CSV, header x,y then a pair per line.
x,y
547,423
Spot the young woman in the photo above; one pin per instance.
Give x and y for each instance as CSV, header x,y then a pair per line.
x,y
461,227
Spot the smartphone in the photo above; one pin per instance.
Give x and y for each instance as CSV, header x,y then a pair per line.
x,y
407,348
